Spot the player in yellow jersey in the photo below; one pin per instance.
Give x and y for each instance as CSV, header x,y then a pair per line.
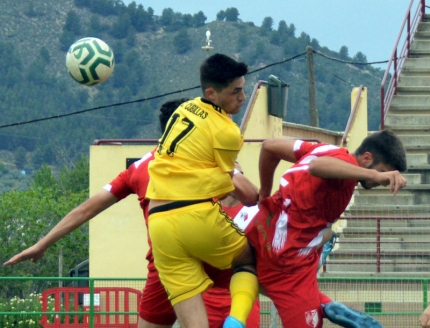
x,y
194,164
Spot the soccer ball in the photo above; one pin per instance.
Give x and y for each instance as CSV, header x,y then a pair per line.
x,y
90,61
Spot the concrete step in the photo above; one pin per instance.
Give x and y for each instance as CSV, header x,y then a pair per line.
x,y
414,80
387,210
386,244
413,178
368,243
401,255
386,222
420,45
402,198
416,66
387,231
418,101
417,158
418,167
416,139
417,148
369,266
406,118
425,25
352,274
410,195
410,89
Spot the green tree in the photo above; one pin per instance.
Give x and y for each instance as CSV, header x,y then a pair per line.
x,y
343,53
231,14
73,23
66,40
359,58
95,24
182,41
292,30
27,216
76,179
30,11
81,3
43,179
220,16
187,20
131,37
242,41
121,27
267,24
199,19
44,55
166,17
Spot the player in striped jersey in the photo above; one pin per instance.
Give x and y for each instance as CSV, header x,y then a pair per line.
x,y
288,231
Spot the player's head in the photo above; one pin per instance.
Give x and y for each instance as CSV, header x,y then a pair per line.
x,y
222,81
382,151
167,109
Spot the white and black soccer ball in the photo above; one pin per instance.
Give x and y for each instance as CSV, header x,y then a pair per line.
x,y
90,61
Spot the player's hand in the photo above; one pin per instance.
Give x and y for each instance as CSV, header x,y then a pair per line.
x,y
33,253
425,318
394,179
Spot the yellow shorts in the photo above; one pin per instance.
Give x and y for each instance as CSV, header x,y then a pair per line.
x,y
184,237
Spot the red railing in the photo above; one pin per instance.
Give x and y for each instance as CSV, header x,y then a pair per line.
x,y
122,300
379,244
398,55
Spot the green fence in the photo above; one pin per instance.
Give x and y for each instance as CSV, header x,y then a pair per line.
x,y
105,302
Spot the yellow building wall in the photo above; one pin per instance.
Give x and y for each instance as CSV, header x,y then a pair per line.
x,y
118,236
118,242
358,120
257,125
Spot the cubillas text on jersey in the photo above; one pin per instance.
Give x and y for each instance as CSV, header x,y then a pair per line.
x,y
196,110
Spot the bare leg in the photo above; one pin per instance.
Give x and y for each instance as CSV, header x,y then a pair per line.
x,y
191,313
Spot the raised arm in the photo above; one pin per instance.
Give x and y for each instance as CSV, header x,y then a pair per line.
x,y
272,152
73,220
244,189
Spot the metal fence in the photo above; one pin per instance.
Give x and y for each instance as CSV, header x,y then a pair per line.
x,y
109,302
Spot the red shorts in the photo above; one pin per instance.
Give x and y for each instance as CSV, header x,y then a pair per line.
x,y
218,302
296,296
155,307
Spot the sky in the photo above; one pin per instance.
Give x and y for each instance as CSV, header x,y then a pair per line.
x,y
369,26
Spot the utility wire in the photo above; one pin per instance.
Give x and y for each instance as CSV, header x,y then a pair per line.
x,y
179,91
348,62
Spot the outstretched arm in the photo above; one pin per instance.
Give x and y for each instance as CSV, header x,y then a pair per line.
x,y
272,152
425,318
333,168
73,220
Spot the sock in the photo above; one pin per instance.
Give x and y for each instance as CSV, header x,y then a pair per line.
x,y
244,291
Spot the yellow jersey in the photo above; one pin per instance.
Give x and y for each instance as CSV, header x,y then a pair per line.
x,y
195,154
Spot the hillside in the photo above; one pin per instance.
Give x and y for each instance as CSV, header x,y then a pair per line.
x,y
34,83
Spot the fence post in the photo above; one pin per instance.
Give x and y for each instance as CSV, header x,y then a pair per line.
x,y
273,316
91,303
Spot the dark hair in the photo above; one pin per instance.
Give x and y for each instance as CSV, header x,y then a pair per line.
x,y
219,70
167,109
386,148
